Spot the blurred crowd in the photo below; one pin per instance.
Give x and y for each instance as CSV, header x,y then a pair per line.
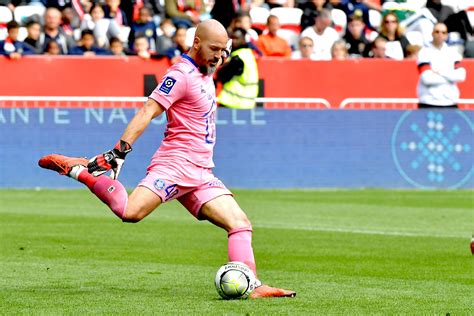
x,y
296,29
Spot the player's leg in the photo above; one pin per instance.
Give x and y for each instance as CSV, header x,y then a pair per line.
x,y
224,212
141,202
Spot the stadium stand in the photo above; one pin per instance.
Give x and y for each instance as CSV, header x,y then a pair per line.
x,y
290,18
5,15
24,12
259,17
413,15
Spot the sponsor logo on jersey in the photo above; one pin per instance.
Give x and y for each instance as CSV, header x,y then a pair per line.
x,y
167,85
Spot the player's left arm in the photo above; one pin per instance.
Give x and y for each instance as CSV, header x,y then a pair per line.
x,y
458,74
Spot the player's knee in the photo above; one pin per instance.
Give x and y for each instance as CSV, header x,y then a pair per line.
x,y
131,219
132,215
239,223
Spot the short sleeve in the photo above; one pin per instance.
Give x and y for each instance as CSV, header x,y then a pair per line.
x,y
171,88
423,57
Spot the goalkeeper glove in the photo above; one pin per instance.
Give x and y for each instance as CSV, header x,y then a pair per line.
x,y
110,160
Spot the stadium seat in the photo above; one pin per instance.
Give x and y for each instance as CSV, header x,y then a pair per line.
x,y
470,16
288,15
124,33
3,33
5,15
23,12
259,17
77,34
375,18
190,36
339,18
390,6
22,33
290,36
414,37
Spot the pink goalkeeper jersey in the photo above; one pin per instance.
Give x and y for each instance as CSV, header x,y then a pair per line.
x,y
189,98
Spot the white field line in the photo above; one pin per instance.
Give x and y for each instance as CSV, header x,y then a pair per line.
x,y
362,231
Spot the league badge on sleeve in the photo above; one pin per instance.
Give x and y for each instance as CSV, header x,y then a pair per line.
x,y
167,85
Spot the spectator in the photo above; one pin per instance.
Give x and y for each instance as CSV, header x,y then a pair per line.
x,y
113,11
270,44
225,11
305,49
69,21
164,39
322,34
117,47
34,30
179,46
339,50
185,13
434,12
144,25
378,48
311,8
87,47
52,31
52,48
239,76
243,20
456,22
359,7
103,28
439,70
141,47
412,51
157,10
438,10
355,37
396,42
11,46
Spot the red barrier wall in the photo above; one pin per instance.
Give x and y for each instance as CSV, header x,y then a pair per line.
x,y
109,76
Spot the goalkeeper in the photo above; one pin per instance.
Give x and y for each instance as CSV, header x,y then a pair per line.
x,y
182,167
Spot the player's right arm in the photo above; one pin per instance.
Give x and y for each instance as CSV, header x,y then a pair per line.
x,y
171,88
141,120
114,158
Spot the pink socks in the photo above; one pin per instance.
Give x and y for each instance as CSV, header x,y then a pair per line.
x,y
109,191
240,247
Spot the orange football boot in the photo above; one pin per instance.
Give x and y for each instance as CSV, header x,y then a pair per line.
x,y
61,164
268,291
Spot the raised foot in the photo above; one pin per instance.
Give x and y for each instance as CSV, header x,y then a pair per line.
x,y
61,164
268,291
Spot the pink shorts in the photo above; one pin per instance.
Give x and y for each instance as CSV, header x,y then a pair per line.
x,y
180,179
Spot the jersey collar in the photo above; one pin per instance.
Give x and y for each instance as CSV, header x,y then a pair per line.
x,y
186,56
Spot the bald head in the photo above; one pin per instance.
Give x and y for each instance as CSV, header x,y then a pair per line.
x,y
210,28
209,45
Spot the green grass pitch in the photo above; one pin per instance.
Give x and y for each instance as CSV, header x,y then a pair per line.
x,y
351,252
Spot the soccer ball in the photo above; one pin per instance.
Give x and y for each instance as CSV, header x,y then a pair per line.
x,y
235,280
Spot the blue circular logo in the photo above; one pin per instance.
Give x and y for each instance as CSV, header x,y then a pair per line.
x,y
433,149
159,184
